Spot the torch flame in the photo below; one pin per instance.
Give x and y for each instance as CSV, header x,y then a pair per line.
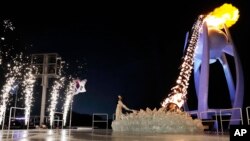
x,y
226,14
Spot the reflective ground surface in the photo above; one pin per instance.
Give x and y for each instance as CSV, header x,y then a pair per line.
x,y
86,134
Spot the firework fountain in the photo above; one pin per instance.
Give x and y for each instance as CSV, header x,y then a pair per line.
x,y
170,118
28,84
15,73
74,87
58,84
5,97
12,71
11,77
18,70
70,91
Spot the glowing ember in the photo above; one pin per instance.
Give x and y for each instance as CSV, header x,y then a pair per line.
x,y
58,84
226,14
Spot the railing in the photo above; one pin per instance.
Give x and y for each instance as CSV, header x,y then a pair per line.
x,y
192,114
104,117
10,117
215,121
220,114
104,120
58,120
247,112
229,111
113,116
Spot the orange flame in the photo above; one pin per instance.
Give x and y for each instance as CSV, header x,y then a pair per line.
x,y
225,14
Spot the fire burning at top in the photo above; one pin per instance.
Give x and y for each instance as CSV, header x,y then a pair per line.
x,y
224,15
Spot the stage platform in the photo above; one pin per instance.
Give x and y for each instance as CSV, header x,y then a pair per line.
x,y
87,134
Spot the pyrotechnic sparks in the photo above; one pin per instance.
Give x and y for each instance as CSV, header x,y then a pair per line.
x,y
18,70
70,91
8,25
4,48
179,91
11,77
15,72
58,84
75,87
5,97
28,84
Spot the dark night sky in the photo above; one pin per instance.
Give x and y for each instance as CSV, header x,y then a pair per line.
x,y
134,52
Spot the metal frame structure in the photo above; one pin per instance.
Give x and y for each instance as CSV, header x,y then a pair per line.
x,y
10,117
58,120
49,65
193,113
214,113
230,112
99,114
201,73
247,112
113,116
